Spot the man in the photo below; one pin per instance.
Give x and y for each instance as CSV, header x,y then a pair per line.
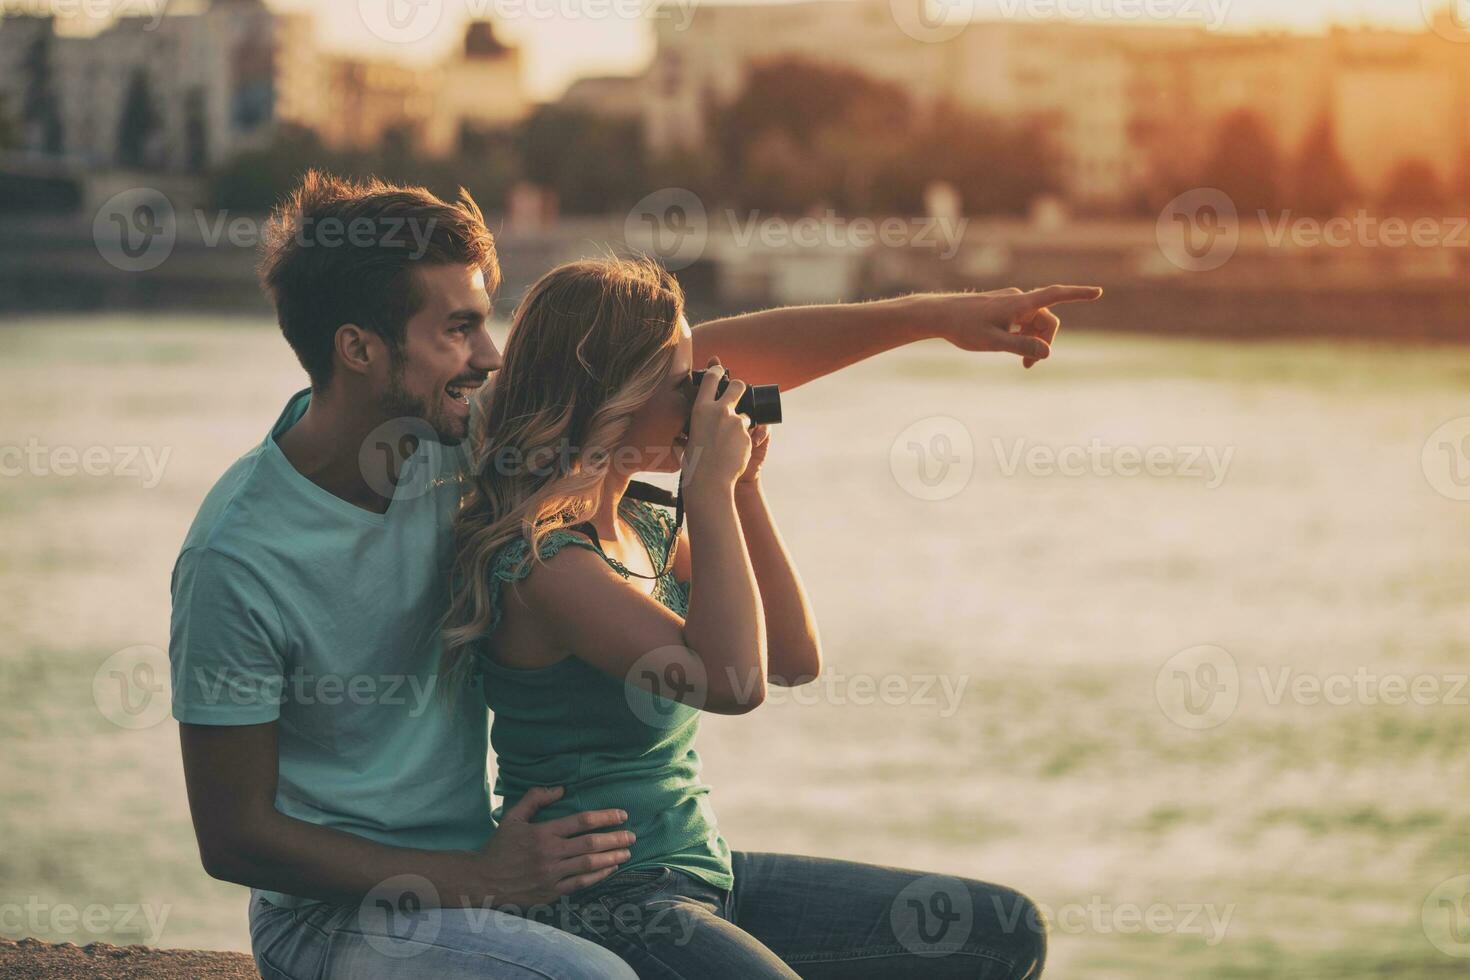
x,y
322,771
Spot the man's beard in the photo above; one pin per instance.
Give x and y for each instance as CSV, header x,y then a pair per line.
x,y
399,403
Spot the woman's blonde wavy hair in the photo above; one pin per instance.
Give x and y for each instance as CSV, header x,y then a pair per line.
x,y
589,345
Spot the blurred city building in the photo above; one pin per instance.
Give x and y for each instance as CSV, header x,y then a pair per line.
x,y
1129,107
179,94
188,91
1125,104
194,106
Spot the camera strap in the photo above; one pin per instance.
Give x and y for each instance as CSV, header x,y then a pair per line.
x,y
647,492
639,490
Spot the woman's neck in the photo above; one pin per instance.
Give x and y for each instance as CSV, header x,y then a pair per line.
x,y
606,518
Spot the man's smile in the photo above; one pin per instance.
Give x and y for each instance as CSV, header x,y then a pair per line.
x,y
459,391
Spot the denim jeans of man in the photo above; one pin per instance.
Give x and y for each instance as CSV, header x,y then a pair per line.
x,y
325,942
814,918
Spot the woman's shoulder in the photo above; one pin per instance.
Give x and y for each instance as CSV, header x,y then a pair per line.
x,y
510,572
511,562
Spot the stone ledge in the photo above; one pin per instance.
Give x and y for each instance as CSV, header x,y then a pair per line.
x,y
32,959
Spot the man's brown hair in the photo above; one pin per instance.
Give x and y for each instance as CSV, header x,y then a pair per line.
x,y
342,250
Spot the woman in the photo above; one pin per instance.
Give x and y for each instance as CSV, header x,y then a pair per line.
x,y
600,635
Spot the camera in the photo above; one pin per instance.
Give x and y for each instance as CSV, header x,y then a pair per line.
x,y
760,403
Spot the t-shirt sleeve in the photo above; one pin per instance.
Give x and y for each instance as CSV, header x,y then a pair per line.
x,y
226,646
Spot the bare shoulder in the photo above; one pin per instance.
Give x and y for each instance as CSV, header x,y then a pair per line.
x,y
521,638
548,582
574,603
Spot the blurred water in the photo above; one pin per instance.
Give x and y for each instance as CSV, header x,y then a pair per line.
x,y
991,706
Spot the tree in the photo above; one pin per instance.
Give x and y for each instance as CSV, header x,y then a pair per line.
x,y
695,170
139,123
801,134
1246,163
1413,186
1322,182
40,115
593,164
1460,188
255,181
9,135
196,131
998,167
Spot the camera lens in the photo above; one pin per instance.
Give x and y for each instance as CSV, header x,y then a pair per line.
x,y
760,403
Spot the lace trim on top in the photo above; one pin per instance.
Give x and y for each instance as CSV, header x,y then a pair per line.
x,y
654,527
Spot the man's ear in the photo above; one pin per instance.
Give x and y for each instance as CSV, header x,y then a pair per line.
x,y
357,348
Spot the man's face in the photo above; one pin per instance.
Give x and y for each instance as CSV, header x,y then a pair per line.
x,y
447,352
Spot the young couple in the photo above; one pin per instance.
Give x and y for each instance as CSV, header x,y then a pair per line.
x,y
315,603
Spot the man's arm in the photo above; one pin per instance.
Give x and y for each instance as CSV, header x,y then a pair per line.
x,y
226,639
794,345
231,773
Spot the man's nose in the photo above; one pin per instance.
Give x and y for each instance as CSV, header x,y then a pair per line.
x,y
484,355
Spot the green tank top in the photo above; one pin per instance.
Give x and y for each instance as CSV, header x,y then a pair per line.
x,y
611,744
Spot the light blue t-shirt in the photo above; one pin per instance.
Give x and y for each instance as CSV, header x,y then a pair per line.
x,y
293,605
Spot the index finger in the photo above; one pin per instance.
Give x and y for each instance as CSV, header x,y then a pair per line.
x,y
578,823
1053,295
710,383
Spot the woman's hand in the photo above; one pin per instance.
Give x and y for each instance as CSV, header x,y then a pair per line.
x,y
760,439
719,446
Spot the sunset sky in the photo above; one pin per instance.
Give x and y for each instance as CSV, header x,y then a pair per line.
x,y
560,46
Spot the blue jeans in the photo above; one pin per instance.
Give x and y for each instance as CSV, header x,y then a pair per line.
x,y
324,942
790,916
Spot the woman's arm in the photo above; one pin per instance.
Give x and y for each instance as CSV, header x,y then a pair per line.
x,y
795,652
794,649
715,657
724,597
